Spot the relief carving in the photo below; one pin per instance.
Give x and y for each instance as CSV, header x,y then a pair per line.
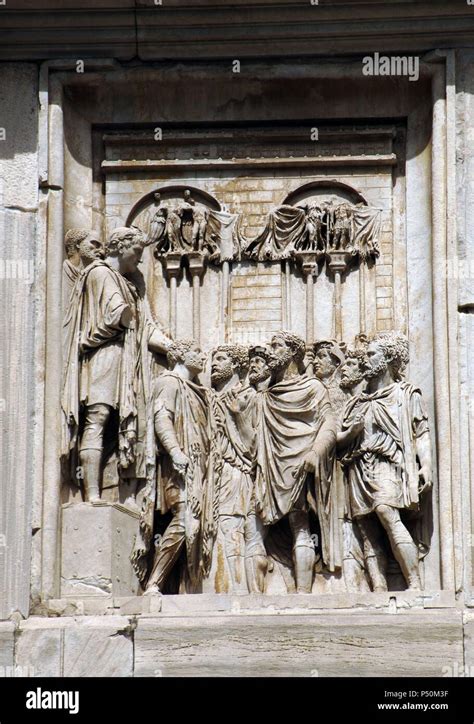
x,y
318,228
252,467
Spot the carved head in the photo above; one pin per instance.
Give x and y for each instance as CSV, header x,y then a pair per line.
x,y
286,347
259,364
387,350
328,356
186,352
85,243
157,197
227,360
354,368
126,244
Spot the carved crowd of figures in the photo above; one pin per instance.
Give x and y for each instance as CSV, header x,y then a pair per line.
x,y
303,458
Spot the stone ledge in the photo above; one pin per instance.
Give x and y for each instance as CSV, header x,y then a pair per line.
x,y
420,642
219,29
424,643
253,604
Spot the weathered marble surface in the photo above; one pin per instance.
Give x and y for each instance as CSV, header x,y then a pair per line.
x,y
217,642
328,645
89,646
7,645
22,333
97,564
421,642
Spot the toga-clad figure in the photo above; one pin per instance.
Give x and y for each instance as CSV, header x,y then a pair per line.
x,y
296,434
101,350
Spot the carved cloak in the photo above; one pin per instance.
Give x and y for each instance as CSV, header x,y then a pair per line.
x,y
187,403
294,416
399,418
92,322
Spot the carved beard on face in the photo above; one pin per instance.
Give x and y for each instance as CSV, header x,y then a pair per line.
x,y
280,360
222,374
89,255
350,379
256,376
375,370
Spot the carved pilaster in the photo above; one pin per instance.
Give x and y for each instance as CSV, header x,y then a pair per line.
x,y
308,262
172,264
338,264
196,267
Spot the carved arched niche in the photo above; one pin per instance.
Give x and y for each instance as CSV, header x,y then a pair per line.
x,y
200,267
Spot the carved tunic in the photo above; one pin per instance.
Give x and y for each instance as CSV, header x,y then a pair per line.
x,y
381,462
100,354
106,297
235,485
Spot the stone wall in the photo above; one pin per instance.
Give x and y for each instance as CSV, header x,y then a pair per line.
x,y
21,261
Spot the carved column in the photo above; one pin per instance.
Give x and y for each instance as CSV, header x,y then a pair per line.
x,y
338,262
308,262
196,267
225,275
172,263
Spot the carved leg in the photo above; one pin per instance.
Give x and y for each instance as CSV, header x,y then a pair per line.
x,y
91,448
168,550
131,494
303,551
374,555
403,547
232,527
256,562
352,563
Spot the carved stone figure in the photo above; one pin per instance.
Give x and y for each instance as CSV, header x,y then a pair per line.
x,y
352,371
295,435
82,248
259,367
192,224
158,225
101,357
179,229
352,382
181,426
386,440
341,227
314,239
239,528
327,361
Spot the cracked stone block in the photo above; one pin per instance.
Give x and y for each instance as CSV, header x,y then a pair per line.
x,y
96,547
7,648
469,646
38,646
98,647
351,644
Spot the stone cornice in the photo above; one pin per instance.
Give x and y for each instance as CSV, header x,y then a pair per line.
x,y
207,29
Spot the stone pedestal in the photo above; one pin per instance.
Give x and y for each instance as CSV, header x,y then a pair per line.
x,y
409,633
95,557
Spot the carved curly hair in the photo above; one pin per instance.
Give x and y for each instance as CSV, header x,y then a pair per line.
x,y
295,343
177,351
128,235
239,355
396,350
360,354
74,237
